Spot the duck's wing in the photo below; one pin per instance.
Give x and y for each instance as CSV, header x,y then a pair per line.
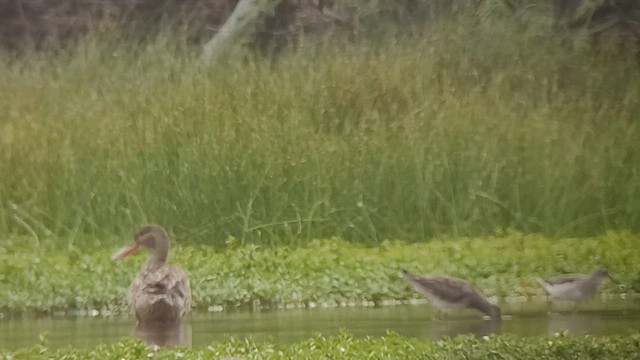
x,y
180,288
168,283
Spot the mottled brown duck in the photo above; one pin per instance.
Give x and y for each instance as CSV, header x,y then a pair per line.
x,y
160,292
446,292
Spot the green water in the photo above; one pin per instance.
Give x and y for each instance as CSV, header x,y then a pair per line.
x,y
199,329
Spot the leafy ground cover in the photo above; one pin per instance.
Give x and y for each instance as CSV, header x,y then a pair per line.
x,y
345,346
53,275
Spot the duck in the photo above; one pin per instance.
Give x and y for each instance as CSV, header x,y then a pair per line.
x,y
160,292
447,292
575,287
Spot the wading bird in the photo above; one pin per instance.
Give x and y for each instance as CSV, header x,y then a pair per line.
x,y
574,287
447,292
160,292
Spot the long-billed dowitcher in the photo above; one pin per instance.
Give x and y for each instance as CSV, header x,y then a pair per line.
x,y
446,292
574,287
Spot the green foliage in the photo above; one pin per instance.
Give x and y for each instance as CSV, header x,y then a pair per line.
x,y
346,346
467,128
46,277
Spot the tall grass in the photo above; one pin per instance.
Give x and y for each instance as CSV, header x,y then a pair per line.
x,y
463,130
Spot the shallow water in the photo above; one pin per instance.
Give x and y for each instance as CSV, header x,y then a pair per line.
x,y
198,329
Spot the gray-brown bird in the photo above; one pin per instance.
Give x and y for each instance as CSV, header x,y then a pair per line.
x,y
160,291
446,292
575,287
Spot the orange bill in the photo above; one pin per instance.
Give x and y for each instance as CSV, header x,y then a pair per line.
x,y
125,251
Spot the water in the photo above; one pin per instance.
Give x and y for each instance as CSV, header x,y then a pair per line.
x,y
284,326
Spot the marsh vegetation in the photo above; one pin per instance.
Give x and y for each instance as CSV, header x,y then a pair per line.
x,y
47,277
459,131
346,346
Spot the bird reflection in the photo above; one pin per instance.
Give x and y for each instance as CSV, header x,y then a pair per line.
x,y
458,326
575,323
476,327
165,333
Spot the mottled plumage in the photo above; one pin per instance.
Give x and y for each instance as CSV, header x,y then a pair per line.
x,y
447,292
574,287
160,291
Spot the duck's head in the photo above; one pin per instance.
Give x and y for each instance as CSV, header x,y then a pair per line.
x,y
153,238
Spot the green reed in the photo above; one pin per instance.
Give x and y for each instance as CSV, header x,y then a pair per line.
x,y
460,130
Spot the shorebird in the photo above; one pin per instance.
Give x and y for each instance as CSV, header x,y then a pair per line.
x,y
574,287
446,292
160,292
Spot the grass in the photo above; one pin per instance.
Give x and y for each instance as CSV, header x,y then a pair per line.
x,y
47,277
459,131
346,346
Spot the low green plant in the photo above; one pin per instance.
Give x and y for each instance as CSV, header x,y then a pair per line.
x,y
346,346
45,277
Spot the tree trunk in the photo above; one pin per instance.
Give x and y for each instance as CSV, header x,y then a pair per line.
x,y
245,14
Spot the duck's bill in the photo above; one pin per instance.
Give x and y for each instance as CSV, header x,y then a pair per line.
x,y
613,280
125,251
